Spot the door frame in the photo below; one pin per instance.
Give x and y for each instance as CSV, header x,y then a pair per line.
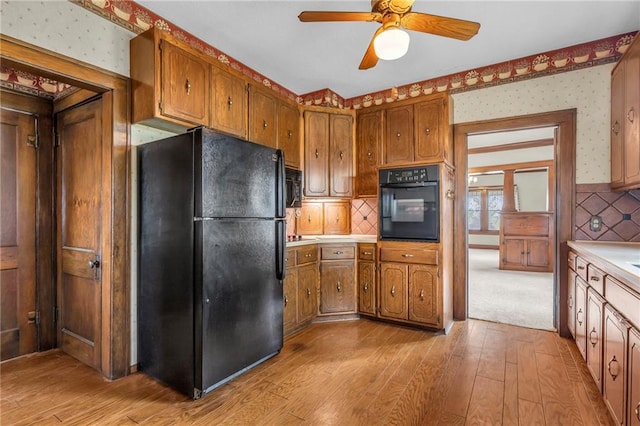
x,y
564,155
115,90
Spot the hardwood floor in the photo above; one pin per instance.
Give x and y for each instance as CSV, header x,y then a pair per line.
x,y
343,373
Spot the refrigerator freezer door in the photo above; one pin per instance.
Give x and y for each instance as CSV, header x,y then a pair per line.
x,y
241,296
238,178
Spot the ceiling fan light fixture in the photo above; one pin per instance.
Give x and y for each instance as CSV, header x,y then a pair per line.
x,y
391,44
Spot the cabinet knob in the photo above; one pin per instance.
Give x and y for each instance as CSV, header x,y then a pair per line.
x,y
338,252
577,314
422,294
365,288
398,135
229,102
308,255
631,115
264,124
308,292
427,131
341,155
593,337
369,155
595,278
616,128
393,290
367,253
317,154
286,300
309,218
339,286
615,367
188,87
289,134
407,255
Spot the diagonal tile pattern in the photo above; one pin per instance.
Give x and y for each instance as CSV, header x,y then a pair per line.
x,y
364,216
611,207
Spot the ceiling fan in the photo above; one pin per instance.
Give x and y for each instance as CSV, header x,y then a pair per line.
x,y
394,14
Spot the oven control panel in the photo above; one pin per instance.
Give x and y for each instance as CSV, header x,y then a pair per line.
x,y
409,175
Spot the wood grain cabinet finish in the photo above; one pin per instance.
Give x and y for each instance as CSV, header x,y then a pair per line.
x,y
337,279
424,294
341,155
337,218
595,315
616,330
307,292
263,116
290,300
300,286
571,302
368,139
581,317
366,279
394,292
229,98
398,141
170,82
310,220
625,120
429,126
633,407
289,133
526,241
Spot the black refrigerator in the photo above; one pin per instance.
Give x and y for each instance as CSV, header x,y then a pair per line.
x,y
211,258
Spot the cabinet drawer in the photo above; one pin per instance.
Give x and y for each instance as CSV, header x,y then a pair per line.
x,y
596,278
307,254
366,251
290,258
526,225
623,299
429,257
581,267
337,252
572,260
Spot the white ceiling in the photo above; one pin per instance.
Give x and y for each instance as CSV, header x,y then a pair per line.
x,y
304,57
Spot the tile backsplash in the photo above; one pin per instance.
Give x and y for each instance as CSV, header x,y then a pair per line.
x,y
619,211
364,216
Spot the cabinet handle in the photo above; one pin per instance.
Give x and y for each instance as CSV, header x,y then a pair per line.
x,y
317,154
369,155
338,252
286,300
367,253
309,218
188,87
366,287
308,292
264,124
393,290
570,302
595,278
338,286
522,252
593,342
637,411
631,115
341,155
617,366
581,267
289,134
308,255
398,135
616,128
427,131
407,255
577,319
422,294
229,103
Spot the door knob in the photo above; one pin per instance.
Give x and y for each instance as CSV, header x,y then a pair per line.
x,y
94,264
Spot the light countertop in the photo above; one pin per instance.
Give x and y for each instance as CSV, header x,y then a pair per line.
x,y
620,257
332,239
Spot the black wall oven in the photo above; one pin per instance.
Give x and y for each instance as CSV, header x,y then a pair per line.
x,y
409,204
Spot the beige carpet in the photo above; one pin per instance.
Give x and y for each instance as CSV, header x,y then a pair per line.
x,y
510,297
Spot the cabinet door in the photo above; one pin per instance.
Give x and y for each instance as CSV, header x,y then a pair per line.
x,y
428,119
632,116
184,90
229,103
366,288
307,292
634,378
316,154
538,253
424,297
398,143
341,155
289,134
337,290
263,113
369,137
393,290
290,298
571,302
614,364
595,306
512,253
337,218
310,220
581,317
617,125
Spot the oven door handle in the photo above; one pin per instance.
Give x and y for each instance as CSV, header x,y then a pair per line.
x,y
408,184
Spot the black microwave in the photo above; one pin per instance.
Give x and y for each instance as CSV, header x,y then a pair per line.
x,y
293,179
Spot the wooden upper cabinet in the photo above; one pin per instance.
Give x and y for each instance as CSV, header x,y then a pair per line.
x,y
228,103
337,218
369,136
398,141
428,117
170,83
263,115
289,134
316,154
309,222
625,120
340,155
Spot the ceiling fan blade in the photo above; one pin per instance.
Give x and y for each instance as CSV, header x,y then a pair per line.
x,y
339,16
440,25
370,58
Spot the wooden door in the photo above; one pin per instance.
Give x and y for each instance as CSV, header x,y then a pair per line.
x,y
79,198
290,299
289,134
581,317
307,292
368,140
337,218
595,304
634,377
614,381
316,154
428,118
341,155
632,116
366,288
184,90
18,331
310,220
398,143
424,296
337,291
228,103
393,290
617,125
263,117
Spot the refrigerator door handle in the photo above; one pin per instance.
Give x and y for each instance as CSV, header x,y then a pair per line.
x,y
281,197
281,230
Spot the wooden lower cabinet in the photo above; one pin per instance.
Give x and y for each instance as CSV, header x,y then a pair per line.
x,y
290,300
300,288
366,279
394,290
424,294
525,241
581,317
571,302
616,330
595,306
633,409
307,292
337,279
